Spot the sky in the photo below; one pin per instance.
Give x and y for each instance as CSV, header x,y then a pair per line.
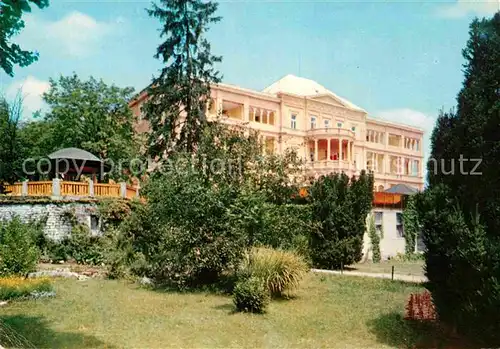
x,y
399,60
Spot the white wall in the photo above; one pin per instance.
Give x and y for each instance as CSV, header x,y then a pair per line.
x,y
391,244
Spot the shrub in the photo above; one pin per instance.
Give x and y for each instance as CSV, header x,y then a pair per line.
x,y
80,245
462,266
16,287
191,241
287,227
251,295
374,240
340,207
280,270
18,251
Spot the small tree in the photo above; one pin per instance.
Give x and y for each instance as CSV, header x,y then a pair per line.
x,y
374,240
411,224
11,151
340,206
93,116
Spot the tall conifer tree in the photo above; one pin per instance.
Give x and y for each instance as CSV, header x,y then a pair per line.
x,y
178,98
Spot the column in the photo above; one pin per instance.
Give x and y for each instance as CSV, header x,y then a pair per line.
x,y
374,164
315,150
340,148
364,159
328,149
400,170
56,187
246,112
349,151
91,187
253,114
24,188
123,189
218,109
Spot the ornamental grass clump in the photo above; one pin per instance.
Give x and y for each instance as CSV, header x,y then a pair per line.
x,y
17,287
279,270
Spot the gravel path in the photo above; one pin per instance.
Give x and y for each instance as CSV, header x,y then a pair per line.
x,y
409,278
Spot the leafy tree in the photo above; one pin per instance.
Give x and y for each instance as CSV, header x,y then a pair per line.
x,y
179,96
460,212
11,24
10,148
340,207
204,208
91,115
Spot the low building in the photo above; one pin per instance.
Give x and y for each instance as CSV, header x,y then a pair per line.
x,y
331,133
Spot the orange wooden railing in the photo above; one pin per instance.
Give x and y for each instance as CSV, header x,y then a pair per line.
x,y
66,188
40,188
74,189
108,190
15,189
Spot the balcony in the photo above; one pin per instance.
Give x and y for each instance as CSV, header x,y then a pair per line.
x,y
328,166
331,132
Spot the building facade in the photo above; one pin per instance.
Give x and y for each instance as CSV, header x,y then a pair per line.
x,y
329,132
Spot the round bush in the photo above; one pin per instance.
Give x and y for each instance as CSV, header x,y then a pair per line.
x,y
251,295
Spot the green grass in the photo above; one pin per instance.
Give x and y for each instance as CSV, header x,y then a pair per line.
x,y
327,311
415,268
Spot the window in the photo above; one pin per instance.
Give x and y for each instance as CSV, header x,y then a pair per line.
x,y
379,216
414,170
313,122
339,124
353,128
293,121
399,224
94,222
327,123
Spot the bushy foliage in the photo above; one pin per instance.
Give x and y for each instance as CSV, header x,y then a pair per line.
x,y
286,227
80,245
193,241
460,212
280,271
204,208
411,225
18,250
251,295
462,265
340,207
374,240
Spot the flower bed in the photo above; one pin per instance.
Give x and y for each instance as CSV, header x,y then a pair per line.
x,y
16,287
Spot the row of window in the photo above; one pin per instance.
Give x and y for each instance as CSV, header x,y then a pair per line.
x,y
313,124
397,165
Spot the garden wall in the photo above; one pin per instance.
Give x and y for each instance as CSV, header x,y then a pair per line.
x,y
58,216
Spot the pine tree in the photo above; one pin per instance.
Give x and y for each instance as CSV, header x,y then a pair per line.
x,y
178,98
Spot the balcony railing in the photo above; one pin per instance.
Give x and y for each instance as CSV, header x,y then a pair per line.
x,y
61,189
334,165
331,132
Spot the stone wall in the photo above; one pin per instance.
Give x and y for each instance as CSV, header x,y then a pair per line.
x,y
58,216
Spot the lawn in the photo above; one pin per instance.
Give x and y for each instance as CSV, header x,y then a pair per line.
x,y
328,311
415,268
